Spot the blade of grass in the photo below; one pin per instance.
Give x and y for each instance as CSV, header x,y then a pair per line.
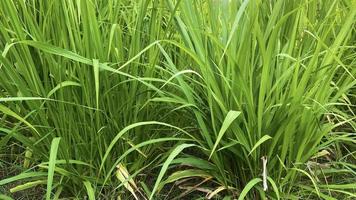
x,y
51,166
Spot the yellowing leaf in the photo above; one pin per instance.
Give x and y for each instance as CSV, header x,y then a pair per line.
x,y
123,175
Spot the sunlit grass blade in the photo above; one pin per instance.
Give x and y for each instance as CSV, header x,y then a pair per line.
x,y
51,166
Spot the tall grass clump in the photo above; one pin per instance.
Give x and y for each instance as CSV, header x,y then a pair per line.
x,y
178,99
82,71
276,78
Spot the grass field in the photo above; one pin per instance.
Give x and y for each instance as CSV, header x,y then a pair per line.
x,y
178,99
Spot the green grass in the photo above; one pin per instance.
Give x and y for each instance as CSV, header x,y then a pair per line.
x,y
164,99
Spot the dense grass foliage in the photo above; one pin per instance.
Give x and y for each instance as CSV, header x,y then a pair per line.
x,y
178,99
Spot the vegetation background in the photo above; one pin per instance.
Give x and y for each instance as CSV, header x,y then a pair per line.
x,y
177,99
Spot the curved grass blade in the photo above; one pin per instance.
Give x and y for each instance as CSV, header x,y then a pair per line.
x,y
248,187
230,117
22,176
7,111
259,142
90,190
166,164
